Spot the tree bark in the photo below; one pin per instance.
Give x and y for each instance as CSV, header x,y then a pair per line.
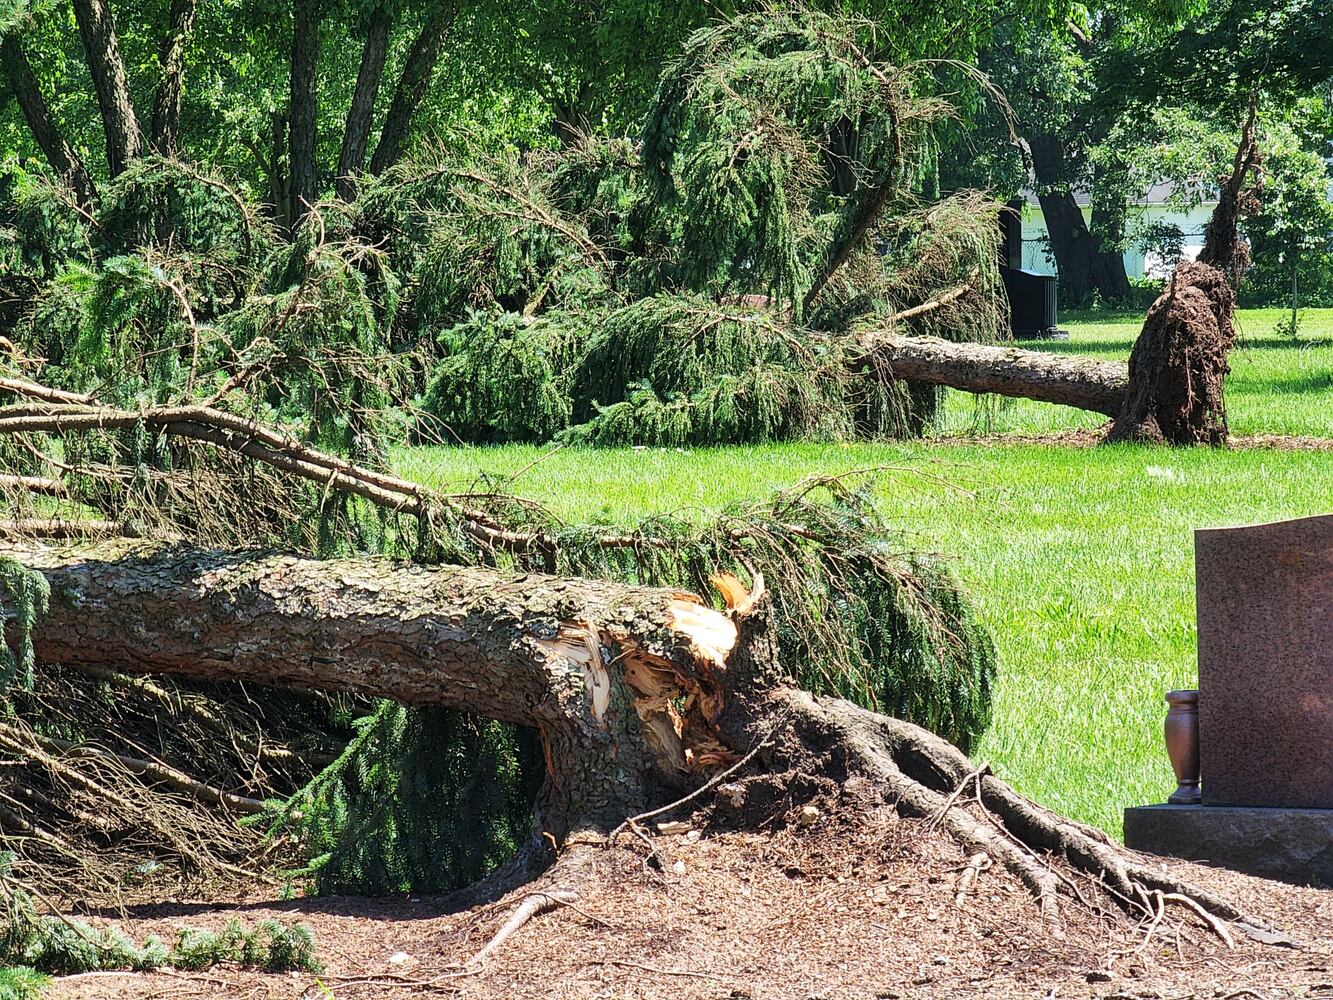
x,y
356,133
411,89
1085,383
59,153
303,137
594,667
597,668
98,29
166,119
1082,263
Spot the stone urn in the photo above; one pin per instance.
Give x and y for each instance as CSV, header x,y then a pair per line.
x,y
1182,745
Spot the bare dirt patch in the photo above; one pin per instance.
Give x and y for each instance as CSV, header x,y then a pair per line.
x,y
865,909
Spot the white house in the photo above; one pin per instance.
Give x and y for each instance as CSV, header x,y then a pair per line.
x,y
1153,207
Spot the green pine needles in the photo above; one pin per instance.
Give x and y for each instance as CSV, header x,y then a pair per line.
x,y
21,982
24,594
421,800
52,943
667,370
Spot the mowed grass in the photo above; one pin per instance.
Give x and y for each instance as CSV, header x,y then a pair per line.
x,y
1080,559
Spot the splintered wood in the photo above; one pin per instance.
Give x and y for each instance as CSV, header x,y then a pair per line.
x,y
676,708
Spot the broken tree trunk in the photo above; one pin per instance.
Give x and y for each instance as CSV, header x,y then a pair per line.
x,y
1086,383
625,685
532,650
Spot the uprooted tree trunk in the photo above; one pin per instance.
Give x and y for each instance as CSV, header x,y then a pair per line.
x,y
1086,383
1179,362
632,689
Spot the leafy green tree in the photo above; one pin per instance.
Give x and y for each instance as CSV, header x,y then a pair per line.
x,y
1291,237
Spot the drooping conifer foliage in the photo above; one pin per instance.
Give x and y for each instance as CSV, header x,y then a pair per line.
x,y
699,282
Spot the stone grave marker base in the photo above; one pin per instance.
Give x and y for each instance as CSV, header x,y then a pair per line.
x,y
1291,845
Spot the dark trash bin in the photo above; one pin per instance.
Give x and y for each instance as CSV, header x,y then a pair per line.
x,y
1032,299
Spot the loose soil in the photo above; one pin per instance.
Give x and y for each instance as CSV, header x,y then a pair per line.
x,y
847,908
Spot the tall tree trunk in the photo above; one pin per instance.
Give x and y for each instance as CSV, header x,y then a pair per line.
x,y
277,176
303,138
356,133
59,153
1083,264
592,666
98,29
1108,223
569,119
411,89
167,105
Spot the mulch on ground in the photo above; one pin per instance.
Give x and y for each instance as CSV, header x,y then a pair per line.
x,y
855,909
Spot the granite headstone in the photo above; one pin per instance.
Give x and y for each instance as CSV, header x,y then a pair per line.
x,y
1265,614
1265,707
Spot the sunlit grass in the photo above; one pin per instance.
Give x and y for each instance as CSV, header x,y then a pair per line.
x,y
1080,559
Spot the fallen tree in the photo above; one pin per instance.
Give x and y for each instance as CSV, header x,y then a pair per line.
x,y
1002,370
630,689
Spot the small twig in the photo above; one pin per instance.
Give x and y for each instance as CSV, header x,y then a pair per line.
x,y
535,462
976,864
707,786
938,818
943,299
390,979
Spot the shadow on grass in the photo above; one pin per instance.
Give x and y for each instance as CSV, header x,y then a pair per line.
x,y
1291,385
399,907
1266,343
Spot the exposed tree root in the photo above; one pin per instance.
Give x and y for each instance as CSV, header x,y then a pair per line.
x,y
1179,362
532,905
1061,862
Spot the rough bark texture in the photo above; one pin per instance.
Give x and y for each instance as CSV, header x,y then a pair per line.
x,y
356,133
167,105
1007,371
594,667
302,141
1083,265
1179,362
98,29
411,89
59,153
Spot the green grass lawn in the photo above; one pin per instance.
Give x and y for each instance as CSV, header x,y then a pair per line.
x,y
1080,559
